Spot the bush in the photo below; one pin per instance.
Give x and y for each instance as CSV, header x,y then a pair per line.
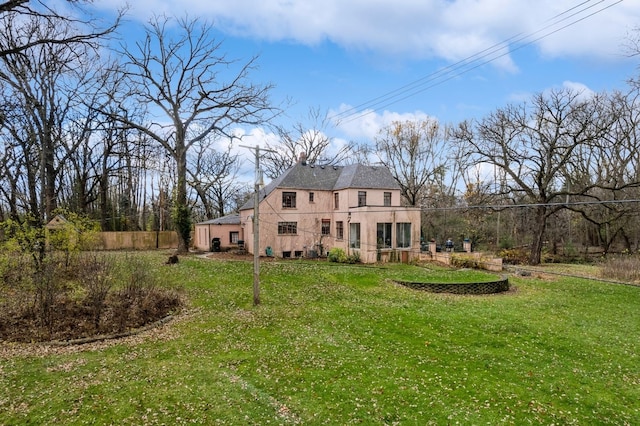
x,y
354,257
337,255
515,256
96,279
95,294
462,261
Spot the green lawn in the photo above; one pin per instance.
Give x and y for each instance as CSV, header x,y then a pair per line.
x,y
341,344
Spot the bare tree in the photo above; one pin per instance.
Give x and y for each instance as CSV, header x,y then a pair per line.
x,y
535,145
188,81
24,17
212,175
44,86
414,152
309,138
611,171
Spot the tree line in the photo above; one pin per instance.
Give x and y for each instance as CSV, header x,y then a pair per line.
x,y
136,136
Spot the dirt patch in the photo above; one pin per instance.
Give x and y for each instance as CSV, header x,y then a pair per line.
x,y
160,331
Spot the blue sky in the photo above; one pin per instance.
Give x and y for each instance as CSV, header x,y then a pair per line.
x,y
338,54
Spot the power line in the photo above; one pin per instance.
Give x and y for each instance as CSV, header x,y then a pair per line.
x,y
385,209
472,62
529,205
389,96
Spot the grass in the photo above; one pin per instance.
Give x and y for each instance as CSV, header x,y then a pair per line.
x,y
340,344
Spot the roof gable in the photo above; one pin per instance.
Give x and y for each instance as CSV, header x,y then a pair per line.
x,y
329,178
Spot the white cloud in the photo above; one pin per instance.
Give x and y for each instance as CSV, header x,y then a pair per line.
x,y
419,29
367,124
256,136
583,91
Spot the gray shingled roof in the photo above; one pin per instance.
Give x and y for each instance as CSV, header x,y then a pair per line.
x,y
365,177
311,177
230,219
329,178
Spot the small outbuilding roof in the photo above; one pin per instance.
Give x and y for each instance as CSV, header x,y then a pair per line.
x,y
230,219
57,222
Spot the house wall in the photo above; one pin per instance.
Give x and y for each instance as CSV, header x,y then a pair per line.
x,y
205,233
307,215
368,217
309,240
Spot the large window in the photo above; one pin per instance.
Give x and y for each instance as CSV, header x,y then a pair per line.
x,y
326,226
403,235
340,230
387,199
354,235
383,235
362,198
287,228
289,200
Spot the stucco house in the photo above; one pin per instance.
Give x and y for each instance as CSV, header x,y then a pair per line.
x,y
225,231
310,209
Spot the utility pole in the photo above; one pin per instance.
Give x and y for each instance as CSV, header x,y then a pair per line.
x,y
256,225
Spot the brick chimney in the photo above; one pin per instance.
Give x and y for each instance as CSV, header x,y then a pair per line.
x,y
303,158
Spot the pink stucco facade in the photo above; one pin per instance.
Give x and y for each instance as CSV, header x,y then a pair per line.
x,y
311,211
227,230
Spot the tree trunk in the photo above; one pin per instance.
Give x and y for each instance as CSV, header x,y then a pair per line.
x,y
182,215
50,175
540,226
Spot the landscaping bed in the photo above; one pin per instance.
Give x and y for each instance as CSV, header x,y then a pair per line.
x,y
491,287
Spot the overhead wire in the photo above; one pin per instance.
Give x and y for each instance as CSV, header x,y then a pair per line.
x,y
494,52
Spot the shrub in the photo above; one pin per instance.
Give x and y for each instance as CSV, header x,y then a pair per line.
x,y
337,255
354,257
94,274
515,256
95,294
49,288
461,261
76,234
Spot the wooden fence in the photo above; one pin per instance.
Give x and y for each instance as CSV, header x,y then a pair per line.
x,y
139,240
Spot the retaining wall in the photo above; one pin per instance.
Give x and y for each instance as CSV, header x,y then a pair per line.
x,y
491,287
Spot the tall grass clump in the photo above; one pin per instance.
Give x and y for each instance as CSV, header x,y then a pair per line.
x,y
621,268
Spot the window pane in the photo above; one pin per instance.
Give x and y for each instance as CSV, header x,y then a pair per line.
x,y
362,198
354,235
286,228
339,230
387,199
403,235
326,226
383,235
289,200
